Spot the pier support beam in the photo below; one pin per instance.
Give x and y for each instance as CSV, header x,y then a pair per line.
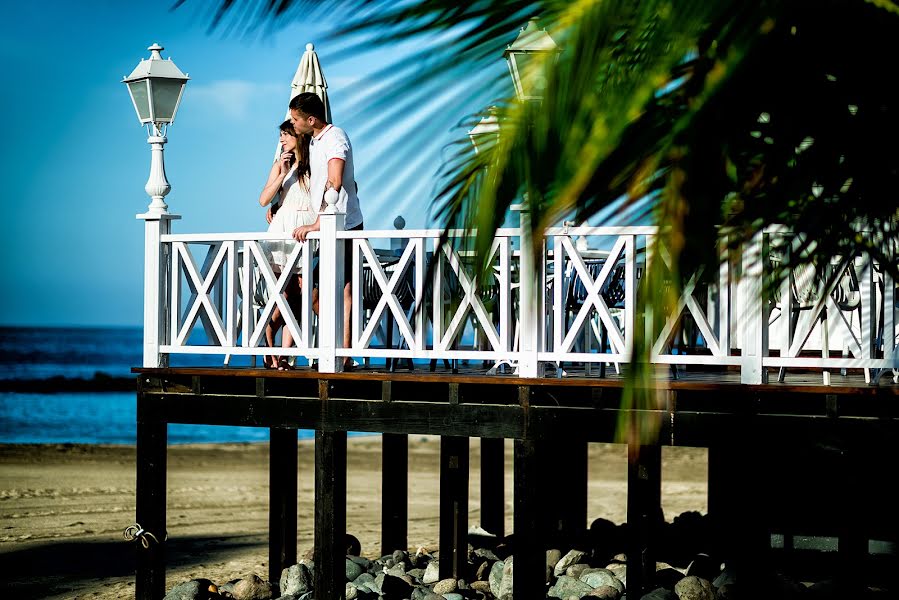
x,y
394,492
529,548
282,512
453,506
150,505
330,514
493,501
644,513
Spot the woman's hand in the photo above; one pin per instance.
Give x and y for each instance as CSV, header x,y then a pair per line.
x,y
299,234
285,160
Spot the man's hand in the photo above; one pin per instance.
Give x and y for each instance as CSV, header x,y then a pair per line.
x,y
269,215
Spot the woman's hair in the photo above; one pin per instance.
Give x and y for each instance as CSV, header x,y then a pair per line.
x,y
301,156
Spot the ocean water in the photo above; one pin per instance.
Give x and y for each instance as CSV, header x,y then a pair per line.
x,y
39,353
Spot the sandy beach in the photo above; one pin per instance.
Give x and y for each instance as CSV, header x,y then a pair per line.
x,y
63,508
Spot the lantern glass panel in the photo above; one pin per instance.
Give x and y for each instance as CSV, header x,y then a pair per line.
x,y
166,93
140,99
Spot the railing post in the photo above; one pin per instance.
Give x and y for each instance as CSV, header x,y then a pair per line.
x,y
330,287
753,312
156,285
529,318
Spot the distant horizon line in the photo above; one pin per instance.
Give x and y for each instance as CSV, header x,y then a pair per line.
x,y
59,326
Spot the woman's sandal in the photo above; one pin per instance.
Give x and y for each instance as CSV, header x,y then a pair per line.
x,y
284,365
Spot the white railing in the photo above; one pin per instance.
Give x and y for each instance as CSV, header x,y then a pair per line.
x,y
590,279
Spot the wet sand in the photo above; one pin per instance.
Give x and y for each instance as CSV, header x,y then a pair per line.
x,y
63,508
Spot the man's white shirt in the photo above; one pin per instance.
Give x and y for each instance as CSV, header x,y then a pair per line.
x,y
332,142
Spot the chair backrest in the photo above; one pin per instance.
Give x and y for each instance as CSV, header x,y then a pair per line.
x,y
371,292
612,290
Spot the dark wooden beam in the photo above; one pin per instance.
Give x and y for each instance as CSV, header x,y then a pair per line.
x,y
282,511
394,492
572,512
330,510
150,504
453,506
644,513
394,485
529,524
493,501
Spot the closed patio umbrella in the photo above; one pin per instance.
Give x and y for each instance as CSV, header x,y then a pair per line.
x,y
309,78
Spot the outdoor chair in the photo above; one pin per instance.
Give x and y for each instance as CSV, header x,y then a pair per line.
x,y
807,284
488,292
612,293
371,295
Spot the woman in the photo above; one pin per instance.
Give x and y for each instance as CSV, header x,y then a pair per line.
x,y
288,188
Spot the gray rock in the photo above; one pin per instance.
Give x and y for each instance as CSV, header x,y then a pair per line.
x,y
420,593
486,553
432,573
576,570
566,587
252,587
376,584
619,570
397,570
445,586
433,596
353,570
602,577
351,591
694,588
605,592
728,575
572,558
496,577
660,594
295,580
453,596
483,571
481,586
366,582
505,586
553,557
394,588
416,573
361,561
195,589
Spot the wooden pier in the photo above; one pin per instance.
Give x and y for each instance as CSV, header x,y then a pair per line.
x,y
853,423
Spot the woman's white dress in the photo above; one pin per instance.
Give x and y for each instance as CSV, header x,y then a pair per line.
x,y
296,209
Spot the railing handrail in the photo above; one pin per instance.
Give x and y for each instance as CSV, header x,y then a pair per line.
x,y
719,313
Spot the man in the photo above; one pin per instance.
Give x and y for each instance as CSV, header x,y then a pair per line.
x,y
331,166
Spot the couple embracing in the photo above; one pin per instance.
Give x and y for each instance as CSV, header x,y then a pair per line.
x,y
315,156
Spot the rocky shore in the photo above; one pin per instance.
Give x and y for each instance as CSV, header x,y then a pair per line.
x,y
595,568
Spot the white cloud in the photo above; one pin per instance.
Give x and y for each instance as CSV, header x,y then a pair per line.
x,y
231,98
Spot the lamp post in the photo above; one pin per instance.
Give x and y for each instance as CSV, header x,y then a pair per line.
x,y
156,87
485,132
526,57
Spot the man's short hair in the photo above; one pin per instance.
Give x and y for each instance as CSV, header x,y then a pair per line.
x,y
308,103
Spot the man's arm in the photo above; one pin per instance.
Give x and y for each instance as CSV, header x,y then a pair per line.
x,y
335,174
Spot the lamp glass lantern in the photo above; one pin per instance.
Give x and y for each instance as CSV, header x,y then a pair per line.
x,y
527,57
156,87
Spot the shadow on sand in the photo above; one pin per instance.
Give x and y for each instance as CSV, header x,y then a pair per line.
x,y
53,568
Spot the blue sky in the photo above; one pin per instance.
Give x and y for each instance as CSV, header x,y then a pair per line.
x,y
75,159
